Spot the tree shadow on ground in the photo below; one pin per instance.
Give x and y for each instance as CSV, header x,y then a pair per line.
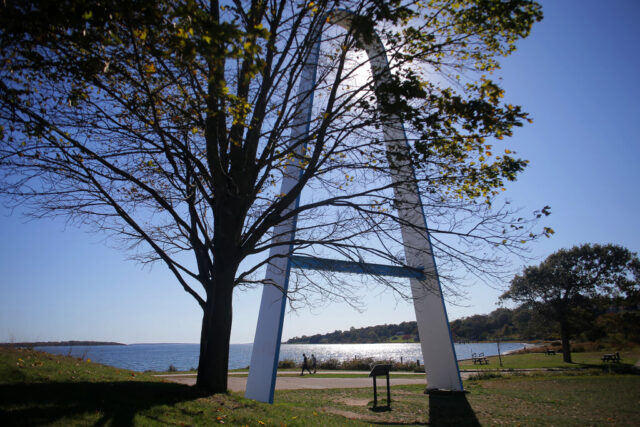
x,y
380,407
116,403
451,409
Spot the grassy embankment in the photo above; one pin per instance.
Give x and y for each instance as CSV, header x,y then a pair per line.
x,y
543,361
37,388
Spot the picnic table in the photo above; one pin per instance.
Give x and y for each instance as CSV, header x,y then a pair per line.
x,y
611,357
479,359
549,352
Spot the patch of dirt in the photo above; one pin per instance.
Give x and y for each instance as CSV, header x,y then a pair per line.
x,y
404,393
221,400
354,402
346,414
384,418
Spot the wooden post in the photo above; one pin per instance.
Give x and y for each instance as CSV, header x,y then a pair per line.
x,y
375,393
388,391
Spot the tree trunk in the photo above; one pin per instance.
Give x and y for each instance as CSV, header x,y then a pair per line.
x,y
214,338
213,365
566,345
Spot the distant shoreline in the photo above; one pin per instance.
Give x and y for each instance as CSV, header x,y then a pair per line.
x,y
527,342
56,343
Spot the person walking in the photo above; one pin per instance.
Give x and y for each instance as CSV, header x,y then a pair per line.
x,y
314,362
305,364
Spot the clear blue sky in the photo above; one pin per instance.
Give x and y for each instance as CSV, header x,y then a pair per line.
x,y
578,77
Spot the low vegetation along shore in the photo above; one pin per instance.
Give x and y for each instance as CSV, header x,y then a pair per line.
x,y
39,388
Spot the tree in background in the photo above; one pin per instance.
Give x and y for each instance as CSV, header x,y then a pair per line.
x,y
168,125
564,285
531,324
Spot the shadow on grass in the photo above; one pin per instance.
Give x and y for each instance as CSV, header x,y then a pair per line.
x,y
451,410
115,403
619,368
380,407
607,368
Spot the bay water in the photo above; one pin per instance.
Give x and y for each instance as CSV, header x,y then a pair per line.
x,y
158,357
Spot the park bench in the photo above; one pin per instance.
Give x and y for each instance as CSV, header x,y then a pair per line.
x,y
611,357
479,359
549,352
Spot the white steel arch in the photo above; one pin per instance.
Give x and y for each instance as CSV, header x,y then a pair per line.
x,y
438,352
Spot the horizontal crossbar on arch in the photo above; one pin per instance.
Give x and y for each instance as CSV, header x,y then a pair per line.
x,y
343,266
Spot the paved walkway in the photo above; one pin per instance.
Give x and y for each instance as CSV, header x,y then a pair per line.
x,y
295,382
290,380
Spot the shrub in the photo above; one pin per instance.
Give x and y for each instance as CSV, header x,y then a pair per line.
x,y
577,348
172,369
332,364
485,376
406,366
287,364
363,364
358,364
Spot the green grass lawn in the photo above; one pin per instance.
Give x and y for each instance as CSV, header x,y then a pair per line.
x,y
541,360
561,400
549,399
41,389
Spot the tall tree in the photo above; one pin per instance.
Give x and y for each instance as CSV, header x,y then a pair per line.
x,y
563,284
169,125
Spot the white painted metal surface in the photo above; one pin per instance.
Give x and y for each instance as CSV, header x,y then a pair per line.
x,y
433,326
261,382
441,366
